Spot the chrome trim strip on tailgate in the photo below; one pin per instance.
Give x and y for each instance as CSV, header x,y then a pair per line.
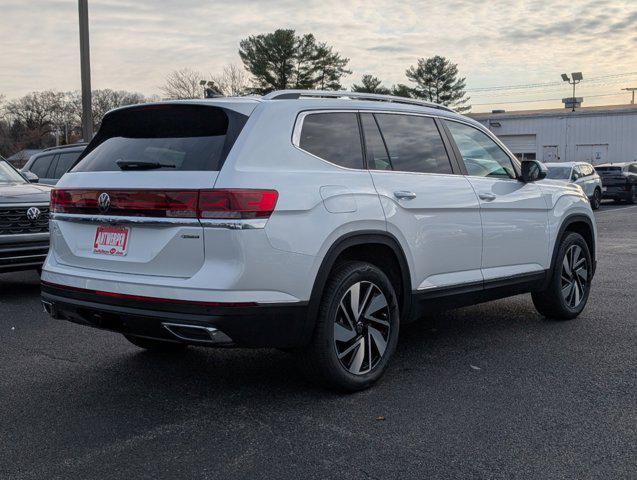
x,y
231,224
115,219
243,224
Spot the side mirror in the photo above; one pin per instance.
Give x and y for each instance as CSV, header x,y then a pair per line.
x,y
31,177
532,171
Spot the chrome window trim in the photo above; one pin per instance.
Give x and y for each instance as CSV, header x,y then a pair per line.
x,y
300,118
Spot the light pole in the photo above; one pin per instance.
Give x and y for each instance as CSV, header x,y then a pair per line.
x,y
577,77
85,67
631,89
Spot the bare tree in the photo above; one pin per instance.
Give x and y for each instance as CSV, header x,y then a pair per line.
x,y
232,81
101,102
183,84
36,111
107,99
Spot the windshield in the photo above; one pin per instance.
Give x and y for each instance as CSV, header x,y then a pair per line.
x,y
559,173
9,175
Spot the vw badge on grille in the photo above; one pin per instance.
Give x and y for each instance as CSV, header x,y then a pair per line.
x,y
103,201
33,214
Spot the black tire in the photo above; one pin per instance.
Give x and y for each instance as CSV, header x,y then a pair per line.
x,y
597,199
551,302
320,359
155,345
632,199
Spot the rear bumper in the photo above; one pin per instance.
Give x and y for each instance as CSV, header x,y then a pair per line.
x,y
272,325
20,254
617,192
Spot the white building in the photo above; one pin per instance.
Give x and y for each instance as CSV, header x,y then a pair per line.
x,y
590,134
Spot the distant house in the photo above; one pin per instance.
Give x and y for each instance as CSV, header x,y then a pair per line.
x,y
20,158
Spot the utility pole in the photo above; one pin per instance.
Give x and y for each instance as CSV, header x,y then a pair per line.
x,y
85,66
631,89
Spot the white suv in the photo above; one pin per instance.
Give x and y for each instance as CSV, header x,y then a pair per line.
x,y
579,173
315,222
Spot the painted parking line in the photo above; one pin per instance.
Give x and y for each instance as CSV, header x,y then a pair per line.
x,y
617,209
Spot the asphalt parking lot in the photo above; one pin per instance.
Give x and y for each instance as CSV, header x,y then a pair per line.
x,y
491,391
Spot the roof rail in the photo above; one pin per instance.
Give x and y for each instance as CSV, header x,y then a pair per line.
x,y
69,145
296,94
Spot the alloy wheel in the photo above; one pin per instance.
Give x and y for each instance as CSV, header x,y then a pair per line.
x,y
597,200
362,327
574,276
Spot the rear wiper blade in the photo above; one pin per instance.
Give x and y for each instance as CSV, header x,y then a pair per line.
x,y
141,165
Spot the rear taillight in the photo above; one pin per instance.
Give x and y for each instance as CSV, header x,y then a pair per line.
x,y
209,204
136,203
237,204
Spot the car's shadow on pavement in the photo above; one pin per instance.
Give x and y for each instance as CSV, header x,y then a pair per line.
x,y
148,382
12,286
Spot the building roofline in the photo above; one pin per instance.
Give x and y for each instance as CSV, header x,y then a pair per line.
x,y
558,112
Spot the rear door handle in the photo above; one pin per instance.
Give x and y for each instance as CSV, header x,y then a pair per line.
x,y
487,197
404,195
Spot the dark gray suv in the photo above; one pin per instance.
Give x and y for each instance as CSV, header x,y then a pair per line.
x,y
50,164
24,220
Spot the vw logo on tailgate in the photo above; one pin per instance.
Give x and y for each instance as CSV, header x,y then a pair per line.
x,y
103,201
33,214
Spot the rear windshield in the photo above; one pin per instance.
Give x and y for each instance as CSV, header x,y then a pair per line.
x,y
608,169
181,137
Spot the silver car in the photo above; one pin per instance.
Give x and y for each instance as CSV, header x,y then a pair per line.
x,y
582,174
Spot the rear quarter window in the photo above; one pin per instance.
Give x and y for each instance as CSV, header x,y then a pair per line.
x,y
334,137
182,137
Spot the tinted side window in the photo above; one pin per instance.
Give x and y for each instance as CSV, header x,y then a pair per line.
x,y
414,143
633,168
377,156
334,137
65,161
41,165
482,156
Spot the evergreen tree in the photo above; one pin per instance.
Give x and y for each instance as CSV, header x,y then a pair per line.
x,y
436,80
370,84
402,90
282,60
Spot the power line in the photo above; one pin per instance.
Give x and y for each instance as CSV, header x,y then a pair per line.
x,y
544,99
546,84
553,89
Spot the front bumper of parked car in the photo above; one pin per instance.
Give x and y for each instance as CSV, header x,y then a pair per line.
x,y
23,251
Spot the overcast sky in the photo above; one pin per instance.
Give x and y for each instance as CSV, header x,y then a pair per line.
x,y
134,43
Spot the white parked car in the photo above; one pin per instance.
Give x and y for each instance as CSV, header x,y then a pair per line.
x,y
316,222
579,173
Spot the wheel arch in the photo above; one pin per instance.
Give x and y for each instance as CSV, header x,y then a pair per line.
x,y
581,224
345,244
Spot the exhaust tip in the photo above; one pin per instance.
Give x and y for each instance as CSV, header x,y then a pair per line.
x,y
198,334
50,309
